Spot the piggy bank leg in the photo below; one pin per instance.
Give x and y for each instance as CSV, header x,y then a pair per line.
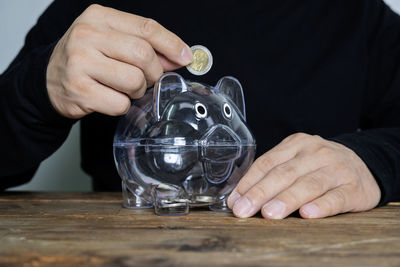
x,y
132,195
220,206
170,200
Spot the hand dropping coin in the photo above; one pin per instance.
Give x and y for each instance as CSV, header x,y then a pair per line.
x,y
202,60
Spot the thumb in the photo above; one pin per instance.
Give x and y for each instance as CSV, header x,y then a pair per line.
x,y
167,64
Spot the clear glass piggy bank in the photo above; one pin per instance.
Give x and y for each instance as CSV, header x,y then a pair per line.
x,y
184,144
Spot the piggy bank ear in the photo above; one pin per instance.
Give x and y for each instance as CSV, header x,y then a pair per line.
x,y
168,86
232,89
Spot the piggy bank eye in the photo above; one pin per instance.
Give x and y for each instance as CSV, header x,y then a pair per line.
x,y
227,111
201,110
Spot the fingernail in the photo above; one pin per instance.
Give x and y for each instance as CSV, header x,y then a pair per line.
x,y
242,207
186,56
310,210
275,209
232,198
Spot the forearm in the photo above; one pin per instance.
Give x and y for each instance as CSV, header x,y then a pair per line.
x,y
31,128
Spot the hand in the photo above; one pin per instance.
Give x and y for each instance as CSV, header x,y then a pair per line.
x,y
107,57
319,177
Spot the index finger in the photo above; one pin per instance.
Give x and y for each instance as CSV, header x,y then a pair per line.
x,y
162,40
281,153
259,169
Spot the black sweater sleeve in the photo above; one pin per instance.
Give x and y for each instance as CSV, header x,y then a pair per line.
x,y
31,129
378,141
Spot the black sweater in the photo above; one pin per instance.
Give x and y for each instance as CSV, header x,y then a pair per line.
x,y
330,68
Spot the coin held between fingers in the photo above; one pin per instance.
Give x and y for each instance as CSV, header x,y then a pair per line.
x,y
186,55
202,60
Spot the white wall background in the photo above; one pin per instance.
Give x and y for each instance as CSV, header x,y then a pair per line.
x,y
60,172
394,4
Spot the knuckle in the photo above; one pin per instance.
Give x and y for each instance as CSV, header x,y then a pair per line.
x,y
123,107
300,136
137,81
144,53
336,203
327,205
243,186
94,9
257,193
80,31
139,88
291,198
148,27
130,80
317,138
314,184
118,105
323,151
296,137
72,47
264,162
283,170
127,76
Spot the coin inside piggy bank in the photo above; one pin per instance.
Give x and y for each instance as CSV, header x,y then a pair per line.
x,y
183,144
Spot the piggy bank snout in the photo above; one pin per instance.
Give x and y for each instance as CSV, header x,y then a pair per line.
x,y
220,144
220,147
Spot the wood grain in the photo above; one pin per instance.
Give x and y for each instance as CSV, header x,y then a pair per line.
x,y
69,229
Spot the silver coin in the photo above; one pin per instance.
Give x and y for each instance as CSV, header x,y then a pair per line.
x,y
205,199
173,201
173,205
202,60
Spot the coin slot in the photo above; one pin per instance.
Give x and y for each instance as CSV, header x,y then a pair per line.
x,y
227,111
201,111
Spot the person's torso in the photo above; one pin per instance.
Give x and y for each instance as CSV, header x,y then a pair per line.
x,y
301,64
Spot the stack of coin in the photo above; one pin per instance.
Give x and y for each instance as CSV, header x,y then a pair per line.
x,y
202,60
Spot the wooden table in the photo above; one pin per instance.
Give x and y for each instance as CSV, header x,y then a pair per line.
x,y
93,229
